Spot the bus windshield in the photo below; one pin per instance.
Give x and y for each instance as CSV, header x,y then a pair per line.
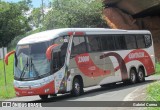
x,y
31,61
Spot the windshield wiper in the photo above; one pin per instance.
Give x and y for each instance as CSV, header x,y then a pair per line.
x,y
23,73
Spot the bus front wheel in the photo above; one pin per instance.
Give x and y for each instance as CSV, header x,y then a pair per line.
x,y
77,87
43,97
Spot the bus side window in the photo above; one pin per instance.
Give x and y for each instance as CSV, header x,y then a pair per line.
x,y
148,41
140,41
130,41
78,46
120,43
108,42
93,43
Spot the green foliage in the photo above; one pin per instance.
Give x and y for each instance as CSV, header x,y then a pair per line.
x,y
157,68
25,5
36,17
8,91
74,13
12,21
153,91
153,94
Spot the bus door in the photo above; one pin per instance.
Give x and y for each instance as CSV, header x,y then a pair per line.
x,y
58,66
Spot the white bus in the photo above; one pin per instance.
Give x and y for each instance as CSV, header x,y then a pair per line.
x,y
67,60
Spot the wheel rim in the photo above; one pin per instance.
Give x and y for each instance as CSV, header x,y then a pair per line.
x,y
77,87
133,77
140,75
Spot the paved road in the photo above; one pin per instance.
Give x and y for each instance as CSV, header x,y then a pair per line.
x,y
119,92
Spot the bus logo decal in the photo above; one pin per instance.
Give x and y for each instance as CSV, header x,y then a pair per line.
x,y
136,55
83,59
143,57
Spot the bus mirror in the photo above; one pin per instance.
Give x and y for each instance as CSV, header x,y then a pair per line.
x,y
49,51
7,56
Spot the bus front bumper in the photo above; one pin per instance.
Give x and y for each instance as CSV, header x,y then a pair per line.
x,y
41,90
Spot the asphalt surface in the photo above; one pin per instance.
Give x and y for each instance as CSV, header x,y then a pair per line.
x,y
118,92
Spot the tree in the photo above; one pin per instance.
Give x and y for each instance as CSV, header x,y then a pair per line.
x,y
74,13
12,21
36,17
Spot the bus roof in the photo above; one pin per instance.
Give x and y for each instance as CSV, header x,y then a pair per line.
x,y
51,34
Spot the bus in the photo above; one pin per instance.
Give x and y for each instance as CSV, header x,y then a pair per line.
x,y
67,60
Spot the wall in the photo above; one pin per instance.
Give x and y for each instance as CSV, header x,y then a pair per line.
x,y
121,15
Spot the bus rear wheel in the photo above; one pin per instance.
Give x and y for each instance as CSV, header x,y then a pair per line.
x,y
141,77
133,76
77,87
43,97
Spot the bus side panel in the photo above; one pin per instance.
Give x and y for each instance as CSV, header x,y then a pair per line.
x,y
116,63
77,65
115,75
151,53
139,57
104,69
95,71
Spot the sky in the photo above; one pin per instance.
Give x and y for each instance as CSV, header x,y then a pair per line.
x,y
35,3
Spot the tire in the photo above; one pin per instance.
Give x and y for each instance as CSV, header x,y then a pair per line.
x,y
141,75
77,87
43,97
133,76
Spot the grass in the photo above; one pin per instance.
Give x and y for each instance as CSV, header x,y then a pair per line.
x,y
8,90
158,68
153,94
153,90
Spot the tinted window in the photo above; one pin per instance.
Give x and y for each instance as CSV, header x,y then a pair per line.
x,y
38,48
140,41
108,42
148,41
59,53
78,45
93,43
130,42
120,42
